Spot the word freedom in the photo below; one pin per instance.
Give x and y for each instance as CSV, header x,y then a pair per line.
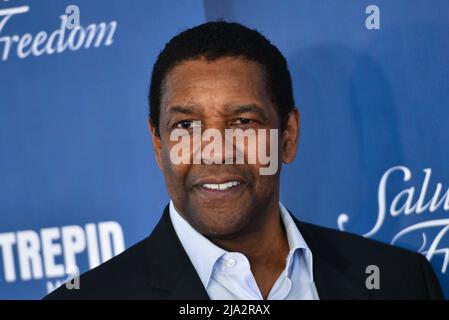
x,y
57,41
212,152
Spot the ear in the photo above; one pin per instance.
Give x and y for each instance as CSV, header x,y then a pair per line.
x,y
157,144
290,137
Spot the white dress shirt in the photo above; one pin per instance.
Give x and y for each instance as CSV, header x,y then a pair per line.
x,y
227,275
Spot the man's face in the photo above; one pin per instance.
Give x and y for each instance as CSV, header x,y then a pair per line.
x,y
228,93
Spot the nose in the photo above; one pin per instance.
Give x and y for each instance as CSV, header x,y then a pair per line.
x,y
213,148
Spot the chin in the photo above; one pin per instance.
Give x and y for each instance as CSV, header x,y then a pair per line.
x,y
221,225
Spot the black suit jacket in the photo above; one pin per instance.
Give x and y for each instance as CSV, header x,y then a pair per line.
x,y
159,268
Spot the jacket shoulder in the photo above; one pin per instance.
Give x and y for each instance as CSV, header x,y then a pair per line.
x,y
402,272
122,276
350,244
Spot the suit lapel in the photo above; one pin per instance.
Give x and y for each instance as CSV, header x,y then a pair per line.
x,y
169,267
170,270
331,270
189,286
333,283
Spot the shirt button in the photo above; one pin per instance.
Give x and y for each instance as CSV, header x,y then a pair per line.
x,y
230,263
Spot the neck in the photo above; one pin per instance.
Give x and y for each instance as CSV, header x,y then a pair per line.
x,y
265,246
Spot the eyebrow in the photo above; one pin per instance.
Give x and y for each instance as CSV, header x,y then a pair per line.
x,y
182,109
234,110
251,108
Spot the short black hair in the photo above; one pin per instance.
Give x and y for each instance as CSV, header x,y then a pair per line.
x,y
218,39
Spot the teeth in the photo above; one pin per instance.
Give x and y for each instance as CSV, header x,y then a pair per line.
x,y
221,186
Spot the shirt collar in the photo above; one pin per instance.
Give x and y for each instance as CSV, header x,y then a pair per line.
x,y
295,242
204,259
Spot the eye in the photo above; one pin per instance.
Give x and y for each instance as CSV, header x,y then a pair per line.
x,y
187,124
243,121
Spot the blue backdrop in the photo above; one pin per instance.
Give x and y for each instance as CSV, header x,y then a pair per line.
x,y
78,182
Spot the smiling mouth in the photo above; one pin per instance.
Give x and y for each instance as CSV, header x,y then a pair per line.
x,y
221,186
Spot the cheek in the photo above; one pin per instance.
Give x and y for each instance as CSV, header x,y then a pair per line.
x,y
268,152
175,177
175,174
266,183
263,185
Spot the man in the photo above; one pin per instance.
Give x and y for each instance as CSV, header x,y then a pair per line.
x,y
225,235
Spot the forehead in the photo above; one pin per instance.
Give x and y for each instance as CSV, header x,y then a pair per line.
x,y
225,80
